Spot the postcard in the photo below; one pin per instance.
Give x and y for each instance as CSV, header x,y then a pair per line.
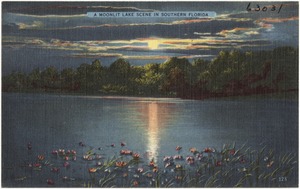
x,y
150,94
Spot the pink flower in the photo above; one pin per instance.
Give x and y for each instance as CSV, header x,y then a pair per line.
x,y
168,158
135,183
37,165
218,163
232,152
193,150
55,169
199,156
92,170
66,164
126,152
178,148
41,157
190,160
50,182
209,150
178,157
123,144
136,156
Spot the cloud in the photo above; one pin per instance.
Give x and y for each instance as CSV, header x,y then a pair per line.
x,y
145,57
202,33
239,32
93,55
34,25
277,20
60,9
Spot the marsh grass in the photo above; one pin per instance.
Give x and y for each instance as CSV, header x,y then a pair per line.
x,y
228,167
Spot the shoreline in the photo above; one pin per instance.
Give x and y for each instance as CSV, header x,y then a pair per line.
x,y
290,96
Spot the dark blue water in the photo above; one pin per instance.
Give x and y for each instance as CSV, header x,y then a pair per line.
x,y
150,125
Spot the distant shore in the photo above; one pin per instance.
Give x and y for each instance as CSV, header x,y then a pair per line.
x,y
291,95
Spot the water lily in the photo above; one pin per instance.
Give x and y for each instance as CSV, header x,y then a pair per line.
x,y
98,156
178,167
155,169
123,144
168,158
41,157
87,157
242,159
135,183
193,150
50,182
178,177
136,156
61,151
66,158
199,156
74,158
99,163
92,170
121,164
232,151
149,175
266,158
209,150
178,148
140,170
190,160
152,163
178,157
126,152
66,164
37,165
169,164
218,163
55,169
226,159
54,152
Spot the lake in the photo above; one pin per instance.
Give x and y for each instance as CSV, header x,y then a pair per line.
x,y
152,127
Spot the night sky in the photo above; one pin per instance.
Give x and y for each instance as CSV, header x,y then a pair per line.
x,y
36,34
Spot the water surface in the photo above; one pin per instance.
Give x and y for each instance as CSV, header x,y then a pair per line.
x,y
152,125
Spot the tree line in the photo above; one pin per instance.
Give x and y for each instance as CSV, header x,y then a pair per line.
x,y
231,73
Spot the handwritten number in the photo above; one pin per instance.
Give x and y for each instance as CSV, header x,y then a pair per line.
x,y
273,8
248,7
280,8
264,9
258,8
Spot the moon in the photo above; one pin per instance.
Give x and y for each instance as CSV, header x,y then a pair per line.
x,y
153,44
